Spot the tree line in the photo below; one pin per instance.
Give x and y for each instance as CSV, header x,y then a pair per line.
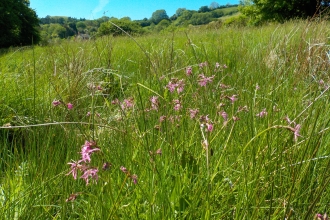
x,y
63,27
20,25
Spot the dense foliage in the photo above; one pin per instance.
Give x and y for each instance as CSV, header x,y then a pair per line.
x,y
281,10
18,23
57,27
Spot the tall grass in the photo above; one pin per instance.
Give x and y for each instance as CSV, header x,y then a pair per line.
x,y
243,156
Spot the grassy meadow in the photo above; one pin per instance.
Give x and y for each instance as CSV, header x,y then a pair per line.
x,y
228,123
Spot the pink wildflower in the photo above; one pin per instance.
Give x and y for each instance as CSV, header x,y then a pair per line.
x,y
224,115
162,118
201,65
159,151
123,169
189,71
90,173
262,114
154,102
127,103
106,166
75,166
177,104
87,150
203,80
56,103
209,127
88,114
171,86
193,113
296,132
180,86
175,84
232,98
134,178
70,106
235,118
115,102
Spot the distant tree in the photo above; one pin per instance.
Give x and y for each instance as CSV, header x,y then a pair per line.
x,y
201,18
81,26
18,23
179,11
281,10
159,15
103,19
130,27
173,17
217,13
59,31
162,25
126,19
45,20
214,5
145,22
204,9
185,17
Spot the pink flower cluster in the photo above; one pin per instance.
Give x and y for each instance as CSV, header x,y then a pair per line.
x,y
58,102
82,165
127,103
203,80
175,84
154,103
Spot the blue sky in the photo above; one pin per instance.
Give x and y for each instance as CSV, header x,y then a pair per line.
x,y
135,9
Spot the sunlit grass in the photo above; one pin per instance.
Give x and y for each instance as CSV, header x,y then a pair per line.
x,y
242,156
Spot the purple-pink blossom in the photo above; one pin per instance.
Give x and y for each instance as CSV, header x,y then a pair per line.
x,y
123,169
180,86
127,103
159,151
177,104
106,166
75,166
232,98
56,103
224,115
201,65
176,84
70,106
154,103
162,118
90,173
189,71
134,178
262,114
87,150
203,80
193,113
209,127
171,86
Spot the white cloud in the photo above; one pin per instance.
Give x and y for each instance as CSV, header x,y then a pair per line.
x,y
100,6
